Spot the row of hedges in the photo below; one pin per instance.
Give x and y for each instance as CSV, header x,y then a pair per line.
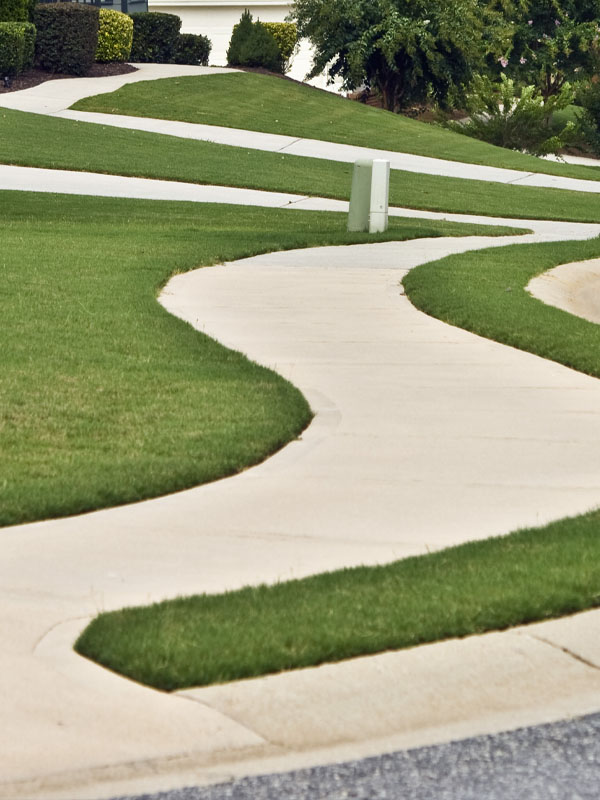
x,y
156,39
72,36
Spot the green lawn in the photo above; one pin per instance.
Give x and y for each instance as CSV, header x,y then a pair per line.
x,y
484,292
104,397
266,103
526,576
40,141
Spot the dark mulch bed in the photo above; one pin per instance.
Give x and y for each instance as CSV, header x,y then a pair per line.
x,y
33,77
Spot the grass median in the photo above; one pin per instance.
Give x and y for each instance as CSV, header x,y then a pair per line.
x,y
105,398
267,103
39,141
523,577
490,585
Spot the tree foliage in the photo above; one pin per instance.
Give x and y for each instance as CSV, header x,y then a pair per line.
x,y
554,42
407,49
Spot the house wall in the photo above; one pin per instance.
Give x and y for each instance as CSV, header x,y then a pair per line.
x,y
216,18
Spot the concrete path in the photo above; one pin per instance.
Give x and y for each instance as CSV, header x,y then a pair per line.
x,y
425,436
571,287
56,97
386,470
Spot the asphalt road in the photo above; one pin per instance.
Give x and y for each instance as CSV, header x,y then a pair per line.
x,y
561,761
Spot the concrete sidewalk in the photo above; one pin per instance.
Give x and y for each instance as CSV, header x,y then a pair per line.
x,y
424,436
56,97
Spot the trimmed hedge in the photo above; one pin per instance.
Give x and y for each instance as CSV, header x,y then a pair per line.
x,y
67,37
286,36
12,45
115,36
155,37
29,34
17,43
252,45
14,10
192,49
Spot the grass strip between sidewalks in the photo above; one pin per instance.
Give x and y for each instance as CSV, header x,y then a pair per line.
x,y
476,587
105,398
529,575
39,141
269,104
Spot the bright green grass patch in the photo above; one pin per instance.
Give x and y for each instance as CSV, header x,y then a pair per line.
x,y
489,585
105,398
40,141
265,103
484,292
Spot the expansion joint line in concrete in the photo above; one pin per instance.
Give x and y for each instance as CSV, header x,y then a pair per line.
x,y
289,144
523,177
565,650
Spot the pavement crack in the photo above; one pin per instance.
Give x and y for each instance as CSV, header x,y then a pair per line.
x,y
293,202
566,651
522,177
289,144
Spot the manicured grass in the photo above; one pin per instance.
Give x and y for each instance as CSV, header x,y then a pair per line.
x,y
484,292
39,141
529,575
266,103
104,397
493,584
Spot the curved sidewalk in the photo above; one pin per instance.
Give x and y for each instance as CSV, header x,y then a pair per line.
x,y
411,415
425,436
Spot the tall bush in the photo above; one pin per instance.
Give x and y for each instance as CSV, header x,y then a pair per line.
x,y
286,36
115,36
12,44
14,10
192,48
67,37
29,36
155,37
252,45
518,119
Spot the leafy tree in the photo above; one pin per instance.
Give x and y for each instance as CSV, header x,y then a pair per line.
x,y
406,49
554,42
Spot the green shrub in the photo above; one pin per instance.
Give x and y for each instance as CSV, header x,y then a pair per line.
x,y
192,49
115,36
252,45
17,43
588,116
503,116
67,37
286,36
155,37
29,34
12,45
14,10
239,34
